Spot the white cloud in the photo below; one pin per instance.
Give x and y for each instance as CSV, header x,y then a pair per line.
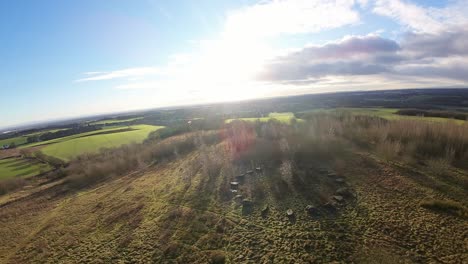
x,y
422,55
227,67
140,85
92,73
423,19
125,73
278,17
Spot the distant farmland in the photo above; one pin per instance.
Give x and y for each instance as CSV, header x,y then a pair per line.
x,y
23,140
386,113
69,147
114,121
282,117
17,167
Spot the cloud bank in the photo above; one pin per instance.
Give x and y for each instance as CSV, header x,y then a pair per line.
x,y
442,55
428,48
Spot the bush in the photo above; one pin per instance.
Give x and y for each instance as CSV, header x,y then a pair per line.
x,y
445,206
52,161
217,257
9,185
89,169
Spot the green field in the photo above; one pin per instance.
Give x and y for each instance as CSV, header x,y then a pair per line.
x,y
62,139
114,121
386,113
17,167
72,146
17,140
45,131
282,117
23,140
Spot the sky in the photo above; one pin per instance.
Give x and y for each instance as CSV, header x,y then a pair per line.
x,y
61,59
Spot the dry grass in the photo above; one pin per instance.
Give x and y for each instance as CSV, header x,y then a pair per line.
x,y
446,206
11,184
179,209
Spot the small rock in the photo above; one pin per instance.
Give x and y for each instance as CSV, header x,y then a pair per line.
x,y
247,203
265,211
330,206
344,192
340,180
234,185
247,207
258,169
338,198
249,172
311,209
240,178
323,170
238,197
289,212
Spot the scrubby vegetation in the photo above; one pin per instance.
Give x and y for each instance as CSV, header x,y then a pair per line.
x,y
91,142
11,184
62,133
21,167
335,187
92,168
433,113
448,207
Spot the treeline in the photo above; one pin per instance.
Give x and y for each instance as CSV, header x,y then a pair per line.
x,y
89,169
433,113
321,139
38,155
184,126
408,140
63,133
12,184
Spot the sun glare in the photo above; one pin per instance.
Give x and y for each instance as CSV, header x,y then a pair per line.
x,y
231,62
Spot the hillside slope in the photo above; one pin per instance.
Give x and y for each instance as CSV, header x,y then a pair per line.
x,y
172,213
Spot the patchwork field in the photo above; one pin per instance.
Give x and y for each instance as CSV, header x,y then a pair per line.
x,y
114,121
17,140
72,146
17,167
386,113
173,213
282,117
23,140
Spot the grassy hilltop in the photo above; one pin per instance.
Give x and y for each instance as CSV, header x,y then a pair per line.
x,y
332,188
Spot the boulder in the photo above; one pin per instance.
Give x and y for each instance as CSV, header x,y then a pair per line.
x,y
247,203
340,180
330,206
345,192
338,198
265,211
258,169
234,185
310,209
249,172
323,170
240,178
247,207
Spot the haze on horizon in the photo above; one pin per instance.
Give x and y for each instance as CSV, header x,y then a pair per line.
x,y
61,59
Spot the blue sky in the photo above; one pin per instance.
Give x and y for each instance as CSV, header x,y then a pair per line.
x,y
70,58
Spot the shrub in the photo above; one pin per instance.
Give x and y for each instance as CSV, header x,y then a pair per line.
x,y
217,257
89,169
445,206
9,185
